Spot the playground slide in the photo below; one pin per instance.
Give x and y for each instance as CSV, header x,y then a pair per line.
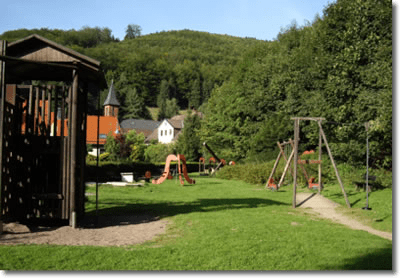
x,y
166,174
182,158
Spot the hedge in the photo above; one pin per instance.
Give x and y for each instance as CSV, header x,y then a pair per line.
x,y
111,170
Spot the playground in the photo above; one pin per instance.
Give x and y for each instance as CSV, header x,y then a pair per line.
x,y
214,224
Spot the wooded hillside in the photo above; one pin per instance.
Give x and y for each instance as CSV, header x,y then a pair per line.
x,y
338,67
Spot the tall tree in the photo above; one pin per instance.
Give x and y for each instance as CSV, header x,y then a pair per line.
x,y
189,142
132,31
134,106
162,100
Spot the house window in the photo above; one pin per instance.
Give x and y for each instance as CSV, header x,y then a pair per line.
x,y
170,132
166,133
161,132
102,136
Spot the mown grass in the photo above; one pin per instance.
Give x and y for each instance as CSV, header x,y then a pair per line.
x,y
213,225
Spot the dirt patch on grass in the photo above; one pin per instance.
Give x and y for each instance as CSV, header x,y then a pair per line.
x,y
102,231
325,208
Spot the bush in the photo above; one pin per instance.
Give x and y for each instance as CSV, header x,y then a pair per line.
x,y
158,153
251,173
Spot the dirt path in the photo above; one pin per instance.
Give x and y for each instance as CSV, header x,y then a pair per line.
x,y
110,231
326,208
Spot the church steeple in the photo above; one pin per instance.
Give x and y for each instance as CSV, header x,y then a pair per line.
x,y
111,104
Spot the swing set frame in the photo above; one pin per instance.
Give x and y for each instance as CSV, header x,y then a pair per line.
x,y
295,156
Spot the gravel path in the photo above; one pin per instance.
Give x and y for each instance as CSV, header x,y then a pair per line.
x,y
326,208
110,231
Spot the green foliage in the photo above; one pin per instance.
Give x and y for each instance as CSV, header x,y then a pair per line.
x,y
338,67
86,37
189,142
112,147
250,173
104,156
158,152
132,31
134,106
136,143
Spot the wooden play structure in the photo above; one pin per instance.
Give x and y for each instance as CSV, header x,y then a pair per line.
x,y
181,170
322,137
214,159
310,180
295,157
43,129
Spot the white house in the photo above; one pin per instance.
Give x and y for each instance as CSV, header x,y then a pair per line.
x,y
169,130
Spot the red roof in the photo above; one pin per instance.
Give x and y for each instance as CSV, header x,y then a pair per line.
x,y
108,125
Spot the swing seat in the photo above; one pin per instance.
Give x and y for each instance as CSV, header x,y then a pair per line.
x,y
272,185
311,184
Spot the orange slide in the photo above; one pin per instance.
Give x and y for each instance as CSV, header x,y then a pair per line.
x,y
166,173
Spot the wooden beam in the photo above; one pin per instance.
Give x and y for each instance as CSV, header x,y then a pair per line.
x,y
296,154
274,168
286,168
283,153
3,46
73,137
320,165
334,164
36,112
308,118
43,111
308,161
48,127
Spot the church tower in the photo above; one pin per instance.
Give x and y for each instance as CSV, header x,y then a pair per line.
x,y
111,104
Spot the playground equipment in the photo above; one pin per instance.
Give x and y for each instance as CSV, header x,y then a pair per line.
x,y
202,166
295,156
270,182
215,158
166,174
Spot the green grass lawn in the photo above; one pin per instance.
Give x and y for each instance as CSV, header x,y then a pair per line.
x,y
219,225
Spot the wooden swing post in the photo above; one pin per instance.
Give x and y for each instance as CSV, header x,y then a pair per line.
x,y
296,147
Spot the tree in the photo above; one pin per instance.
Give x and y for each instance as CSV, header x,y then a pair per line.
x,y
112,147
172,108
162,100
132,31
189,142
135,107
136,143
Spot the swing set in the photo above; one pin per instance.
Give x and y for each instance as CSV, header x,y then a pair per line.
x,y
310,180
295,157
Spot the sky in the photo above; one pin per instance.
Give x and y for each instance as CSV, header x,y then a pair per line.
x,y
262,19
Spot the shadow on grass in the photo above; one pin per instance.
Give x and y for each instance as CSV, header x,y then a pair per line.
x,y
380,259
122,213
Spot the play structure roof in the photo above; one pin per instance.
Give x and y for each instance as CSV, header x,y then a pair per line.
x,y
37,58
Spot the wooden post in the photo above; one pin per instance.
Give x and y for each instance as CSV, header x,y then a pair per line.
x,y
301,165
283,153
36,112
73,138
43,111
49,112
3,46
286,168
334,165
320,159
274,168
296,154
29,122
